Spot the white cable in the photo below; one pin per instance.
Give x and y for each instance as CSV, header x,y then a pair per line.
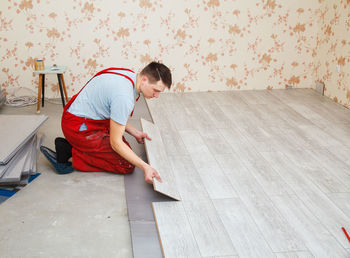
x,y
26,100
21,101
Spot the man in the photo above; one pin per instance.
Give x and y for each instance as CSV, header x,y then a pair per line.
x,y
95,119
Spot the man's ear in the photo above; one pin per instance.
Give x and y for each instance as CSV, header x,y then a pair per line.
x,y
144,78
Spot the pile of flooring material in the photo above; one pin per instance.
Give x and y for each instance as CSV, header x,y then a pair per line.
x,y
2,97
19,144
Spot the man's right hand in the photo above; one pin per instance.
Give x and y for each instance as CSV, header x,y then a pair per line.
x,y
150,173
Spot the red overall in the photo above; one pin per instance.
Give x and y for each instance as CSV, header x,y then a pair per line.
x,y
92,150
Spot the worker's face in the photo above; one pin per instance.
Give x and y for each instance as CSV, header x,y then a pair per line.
x,y
151,90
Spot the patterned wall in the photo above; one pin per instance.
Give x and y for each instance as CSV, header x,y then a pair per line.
x,y
333,49
208,44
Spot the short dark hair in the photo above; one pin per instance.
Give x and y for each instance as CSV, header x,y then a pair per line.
x,y
156,71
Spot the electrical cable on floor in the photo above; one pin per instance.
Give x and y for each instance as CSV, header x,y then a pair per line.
x,y
26,100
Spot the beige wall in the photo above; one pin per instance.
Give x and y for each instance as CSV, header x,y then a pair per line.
x,y
333,49
209,45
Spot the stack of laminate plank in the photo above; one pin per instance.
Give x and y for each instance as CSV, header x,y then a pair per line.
x,y
19,144
2,97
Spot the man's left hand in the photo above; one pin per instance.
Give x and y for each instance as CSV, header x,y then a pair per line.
x,y
140,137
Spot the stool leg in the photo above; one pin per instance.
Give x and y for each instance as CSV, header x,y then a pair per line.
x,y
39,93
61,90
43,89
64,88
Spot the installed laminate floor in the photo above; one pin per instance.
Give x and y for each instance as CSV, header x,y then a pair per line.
x,y
260,174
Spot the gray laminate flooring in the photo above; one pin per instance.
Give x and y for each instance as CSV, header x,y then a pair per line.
x,y
260,174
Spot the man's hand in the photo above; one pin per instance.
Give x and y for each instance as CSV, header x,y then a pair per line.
x,y
150,173
140,137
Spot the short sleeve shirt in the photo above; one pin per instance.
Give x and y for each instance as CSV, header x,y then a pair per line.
x,y
107,96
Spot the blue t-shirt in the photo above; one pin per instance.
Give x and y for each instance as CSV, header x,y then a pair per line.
x,y
107,96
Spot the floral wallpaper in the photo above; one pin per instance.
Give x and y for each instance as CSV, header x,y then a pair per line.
x,y
332,50
210,45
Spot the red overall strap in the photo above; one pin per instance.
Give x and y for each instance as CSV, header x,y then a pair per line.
x,y
110,71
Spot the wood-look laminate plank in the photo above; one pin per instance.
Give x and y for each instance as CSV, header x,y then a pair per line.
x,y
270,180
235,137
198,118
246,237
254,97
342,113
302,254
215,114
176,237
212,176
342,200
214,141
328,214
207,228
328,177
319,136
11,142
226,98
309,114
172,142
342,153
316,237
157,158
268,114
290,171
339,131
190,184
276,230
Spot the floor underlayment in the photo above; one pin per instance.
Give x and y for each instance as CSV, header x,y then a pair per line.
x,y
259,173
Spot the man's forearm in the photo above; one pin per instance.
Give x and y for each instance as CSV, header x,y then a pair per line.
x,y
130,129
123,150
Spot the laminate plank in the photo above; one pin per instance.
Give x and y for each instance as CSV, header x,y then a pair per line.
x,y
276,230
157,158
309,114
328,177
290,171
342,113
235,137
340,132
176,237
316,238
268,114
13,171
172,142
303,254
291,116
328,214
246,237
207,228
270,180
11,142
191,186
319,136
215,114
253,97
212,176
199,119
214,141
170,136
342,200
341,153
225,98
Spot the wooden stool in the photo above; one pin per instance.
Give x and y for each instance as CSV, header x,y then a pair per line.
x,y
59,70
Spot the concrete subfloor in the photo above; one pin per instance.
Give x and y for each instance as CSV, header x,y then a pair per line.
x,y
74,215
